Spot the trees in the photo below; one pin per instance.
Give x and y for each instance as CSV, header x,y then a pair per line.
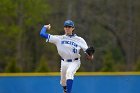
x,y
20,21
111,26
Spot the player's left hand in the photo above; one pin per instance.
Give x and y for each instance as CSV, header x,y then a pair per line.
x,y
89,57
90,53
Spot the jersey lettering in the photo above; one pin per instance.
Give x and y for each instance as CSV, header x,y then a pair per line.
x,y
69,42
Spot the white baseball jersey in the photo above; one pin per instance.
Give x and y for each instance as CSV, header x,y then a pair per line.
x,y
68,46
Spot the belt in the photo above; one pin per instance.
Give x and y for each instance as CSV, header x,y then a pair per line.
x,y
69,60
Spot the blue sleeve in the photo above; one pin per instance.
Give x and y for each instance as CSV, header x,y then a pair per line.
x,y
43,33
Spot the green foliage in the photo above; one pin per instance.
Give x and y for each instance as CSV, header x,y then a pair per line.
x,y
137,65
35,11
42,66
18,28
112,60
108,62
12,67
21,21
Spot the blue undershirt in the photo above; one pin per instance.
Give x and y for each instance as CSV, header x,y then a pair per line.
x,y
43,33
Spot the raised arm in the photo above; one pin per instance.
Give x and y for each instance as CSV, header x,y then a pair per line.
x,y
43,32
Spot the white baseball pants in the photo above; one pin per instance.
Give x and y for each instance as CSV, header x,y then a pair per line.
x,y
68,69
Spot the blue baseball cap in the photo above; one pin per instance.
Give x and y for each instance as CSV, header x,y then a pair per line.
x,y
69,23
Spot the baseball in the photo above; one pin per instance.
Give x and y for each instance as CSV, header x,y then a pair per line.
x,y
48,26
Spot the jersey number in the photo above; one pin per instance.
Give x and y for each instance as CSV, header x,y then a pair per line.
x,y
74,50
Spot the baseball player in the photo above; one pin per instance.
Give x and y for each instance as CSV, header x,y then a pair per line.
x,y
68,46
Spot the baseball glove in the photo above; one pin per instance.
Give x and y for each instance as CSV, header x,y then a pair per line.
x,y
90,51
